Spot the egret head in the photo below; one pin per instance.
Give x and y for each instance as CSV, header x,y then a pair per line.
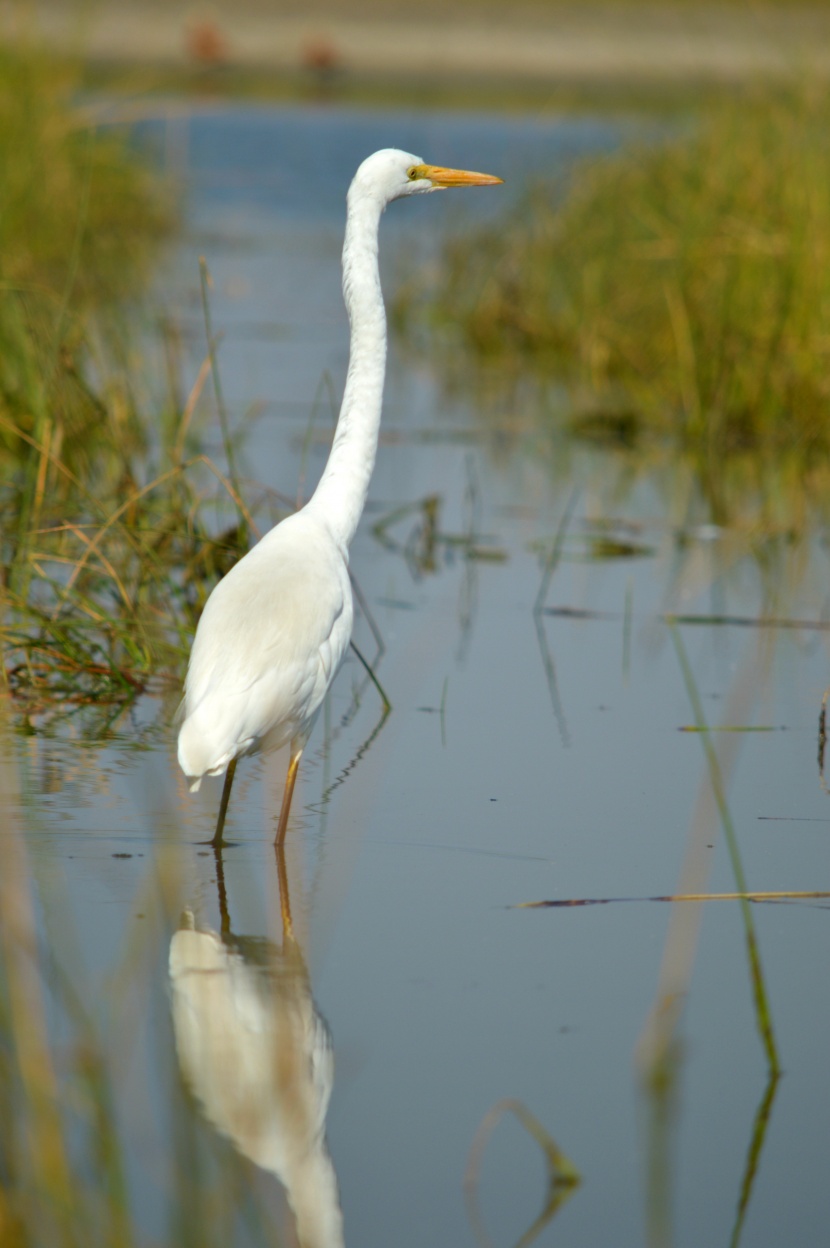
x,y
391,174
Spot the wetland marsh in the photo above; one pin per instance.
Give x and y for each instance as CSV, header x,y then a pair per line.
x,y
600,692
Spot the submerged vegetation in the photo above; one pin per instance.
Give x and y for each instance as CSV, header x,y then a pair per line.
x,y
104,556
679,290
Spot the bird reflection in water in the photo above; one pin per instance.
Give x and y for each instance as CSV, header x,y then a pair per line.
x,y
258,1056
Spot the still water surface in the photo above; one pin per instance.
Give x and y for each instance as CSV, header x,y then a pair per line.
x,y
527,757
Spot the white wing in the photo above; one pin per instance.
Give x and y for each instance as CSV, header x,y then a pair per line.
x,y
271,638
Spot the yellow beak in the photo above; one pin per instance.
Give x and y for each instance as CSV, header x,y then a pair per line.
x,y
455,177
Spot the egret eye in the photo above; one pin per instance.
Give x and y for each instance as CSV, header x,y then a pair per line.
x,y
412,173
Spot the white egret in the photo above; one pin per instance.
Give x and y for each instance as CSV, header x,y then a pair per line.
x,y
274,631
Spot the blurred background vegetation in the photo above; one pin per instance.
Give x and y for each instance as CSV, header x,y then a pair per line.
x,y
677,291
103,553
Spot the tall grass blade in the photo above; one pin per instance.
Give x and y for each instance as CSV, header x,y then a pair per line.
x,y
759,990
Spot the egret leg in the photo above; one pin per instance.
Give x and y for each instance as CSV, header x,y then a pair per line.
x,y
218,840
285,900
296,755
223,892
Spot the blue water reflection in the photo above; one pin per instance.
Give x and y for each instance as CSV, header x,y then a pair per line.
x,y
297,162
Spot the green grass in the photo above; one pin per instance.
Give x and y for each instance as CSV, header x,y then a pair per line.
x,y
80,217
105,550
680,291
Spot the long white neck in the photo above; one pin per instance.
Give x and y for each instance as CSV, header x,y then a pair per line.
x,y
341,494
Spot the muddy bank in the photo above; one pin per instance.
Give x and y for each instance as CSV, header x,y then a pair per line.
x,y
591,43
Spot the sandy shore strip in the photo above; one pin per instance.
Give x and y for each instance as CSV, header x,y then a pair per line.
x,y
589,43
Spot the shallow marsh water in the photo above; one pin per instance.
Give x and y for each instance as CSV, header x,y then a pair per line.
x,y
528,756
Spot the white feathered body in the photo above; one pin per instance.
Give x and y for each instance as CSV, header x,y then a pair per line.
x,y
275,630
270,640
